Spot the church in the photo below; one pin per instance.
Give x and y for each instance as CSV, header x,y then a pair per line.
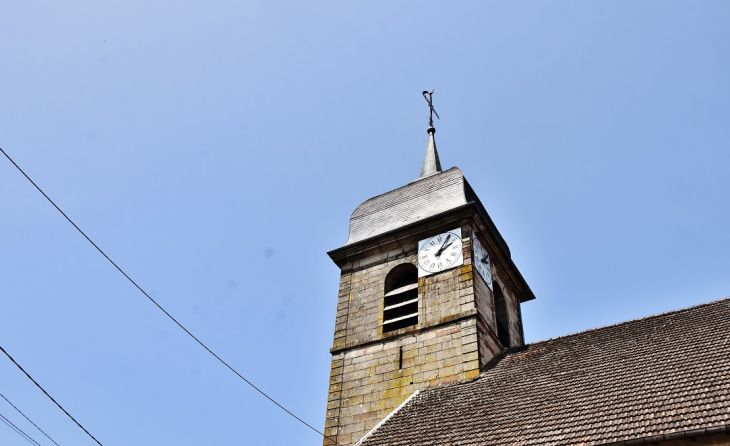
x,y
429,344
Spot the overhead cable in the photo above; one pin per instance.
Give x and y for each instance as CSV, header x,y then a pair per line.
x,y
18,430
29,420
334,443
49,396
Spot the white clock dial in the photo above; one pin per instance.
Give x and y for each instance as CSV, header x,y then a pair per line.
x,y
481,261
440,252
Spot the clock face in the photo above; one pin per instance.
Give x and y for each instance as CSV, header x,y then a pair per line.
x,y
481,261
440,252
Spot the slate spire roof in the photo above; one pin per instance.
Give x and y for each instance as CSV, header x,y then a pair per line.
x,y
418,200
657,378
415,202
431,163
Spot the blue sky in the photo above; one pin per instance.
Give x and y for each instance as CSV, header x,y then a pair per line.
x,y
215,151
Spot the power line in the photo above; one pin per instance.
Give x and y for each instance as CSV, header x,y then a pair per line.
x,y
49,396
31,422
15,429
162,309
7,423
19,431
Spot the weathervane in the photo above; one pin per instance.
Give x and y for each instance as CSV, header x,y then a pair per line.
x,y
428,96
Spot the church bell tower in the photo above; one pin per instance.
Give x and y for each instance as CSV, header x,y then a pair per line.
x,y
428,295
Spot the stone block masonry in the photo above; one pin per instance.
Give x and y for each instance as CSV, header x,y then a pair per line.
x,y
373,372
366,384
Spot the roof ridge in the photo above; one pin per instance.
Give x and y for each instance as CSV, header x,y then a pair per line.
x,y
505,353
651,316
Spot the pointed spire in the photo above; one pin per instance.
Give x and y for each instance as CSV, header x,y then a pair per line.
x,y
431,162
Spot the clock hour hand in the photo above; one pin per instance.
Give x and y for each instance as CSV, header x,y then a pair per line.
x,y
485,259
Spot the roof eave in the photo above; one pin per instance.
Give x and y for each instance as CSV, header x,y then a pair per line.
x,y
653,439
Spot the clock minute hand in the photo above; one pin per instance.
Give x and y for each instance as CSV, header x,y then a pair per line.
x,y
444,246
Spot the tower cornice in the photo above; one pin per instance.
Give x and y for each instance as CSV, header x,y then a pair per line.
x,y
372,249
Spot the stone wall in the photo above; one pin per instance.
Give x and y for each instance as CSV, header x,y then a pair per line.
x,y
442,297
488,343
373,372
515,317
366,384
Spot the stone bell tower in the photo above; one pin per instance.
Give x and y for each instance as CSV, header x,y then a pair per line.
x,y
428,295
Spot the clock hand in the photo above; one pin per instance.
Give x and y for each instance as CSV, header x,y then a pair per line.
x,y
446,246
438,253
485,259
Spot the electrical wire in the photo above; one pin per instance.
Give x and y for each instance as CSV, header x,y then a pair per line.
x,y
335,443
31,422
19,431
14,428
11,427
49,396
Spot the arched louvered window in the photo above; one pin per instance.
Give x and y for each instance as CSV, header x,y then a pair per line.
x,y
500,308
400,308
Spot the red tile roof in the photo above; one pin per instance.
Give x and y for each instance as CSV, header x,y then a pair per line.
x,y
662,374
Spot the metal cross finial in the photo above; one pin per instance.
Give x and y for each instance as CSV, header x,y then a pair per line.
x,y
428,95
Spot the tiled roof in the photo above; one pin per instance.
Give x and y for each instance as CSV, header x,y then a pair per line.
x,y
662,374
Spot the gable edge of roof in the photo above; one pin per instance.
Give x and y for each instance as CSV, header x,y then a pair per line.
x,y
407,400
